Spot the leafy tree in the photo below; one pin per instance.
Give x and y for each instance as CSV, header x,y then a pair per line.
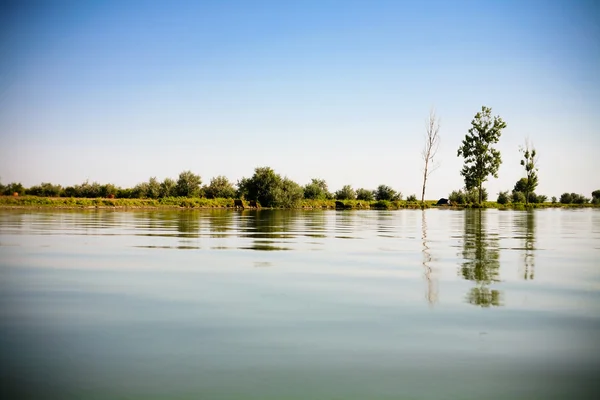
x,y
219,187
481,159
153,188
108,190
596,197
540,198
432,142
140,191
566,198
553,199
518,197
364,195
412,198
316,189
384,192
503,198
520,185
45,189
288,194
529,161
457,197
188,184
168,188
345,193
14,187
473,196
261,187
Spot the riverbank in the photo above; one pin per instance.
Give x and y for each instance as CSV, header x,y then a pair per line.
x,y
197,203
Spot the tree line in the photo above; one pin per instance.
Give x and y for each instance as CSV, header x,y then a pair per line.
x,y
265,186
269,189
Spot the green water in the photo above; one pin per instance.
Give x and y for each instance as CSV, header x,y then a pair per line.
x,y
409,304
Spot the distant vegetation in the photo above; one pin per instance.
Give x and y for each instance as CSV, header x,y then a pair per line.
x,y
266,188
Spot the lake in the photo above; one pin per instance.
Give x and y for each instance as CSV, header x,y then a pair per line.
x,y
217,304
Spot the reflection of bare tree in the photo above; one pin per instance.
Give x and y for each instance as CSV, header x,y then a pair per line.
x,y
528,226
431,293
481,260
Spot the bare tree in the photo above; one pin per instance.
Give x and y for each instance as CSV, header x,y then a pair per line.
x,y
432,143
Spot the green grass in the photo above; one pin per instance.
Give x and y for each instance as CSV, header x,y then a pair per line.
x,y
185,202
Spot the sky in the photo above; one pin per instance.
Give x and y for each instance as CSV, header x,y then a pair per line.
x,y
121,91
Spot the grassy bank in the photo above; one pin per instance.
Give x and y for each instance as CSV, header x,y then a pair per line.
x,y
186,202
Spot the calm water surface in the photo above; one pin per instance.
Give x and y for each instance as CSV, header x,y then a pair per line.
x,y
410,304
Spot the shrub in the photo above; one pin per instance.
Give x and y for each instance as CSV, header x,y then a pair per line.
x,y
345,193
457,197
412,198
188,184
384,192
566,198
14,187
503,198
553,199
472,196
518,197
316,190
596,197
364,194
219,187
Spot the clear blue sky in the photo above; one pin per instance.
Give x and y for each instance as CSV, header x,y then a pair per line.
x,y
120,91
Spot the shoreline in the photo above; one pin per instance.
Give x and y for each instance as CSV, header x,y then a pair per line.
x,y
181,203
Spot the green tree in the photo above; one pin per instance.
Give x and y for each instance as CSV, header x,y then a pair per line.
x,y
596,197
168,188
288,194
384,192
517,197
529,162
14,187
188,184
520,185
364,194
458,197
219,187
153,188
261,187
481,159
503,198
345,193
316,189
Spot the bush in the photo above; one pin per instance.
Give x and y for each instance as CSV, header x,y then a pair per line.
x,y
45,189
364,195
553,199
566,198
188,184
472,196
384,192
503,198
596,197
573,198
219,187
518,197
316,190
345,193
412,198
14,187
457,197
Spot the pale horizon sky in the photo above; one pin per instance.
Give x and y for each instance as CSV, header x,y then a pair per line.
x,y
121,91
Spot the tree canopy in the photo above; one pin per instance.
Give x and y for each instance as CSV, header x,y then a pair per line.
x,y
480,159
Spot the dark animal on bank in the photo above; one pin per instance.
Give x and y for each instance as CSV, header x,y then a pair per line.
x,y
443,202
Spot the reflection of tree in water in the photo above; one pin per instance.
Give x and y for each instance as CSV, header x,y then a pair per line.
x,y
431,293
481,260
188,224
268,227
220,222
527,227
